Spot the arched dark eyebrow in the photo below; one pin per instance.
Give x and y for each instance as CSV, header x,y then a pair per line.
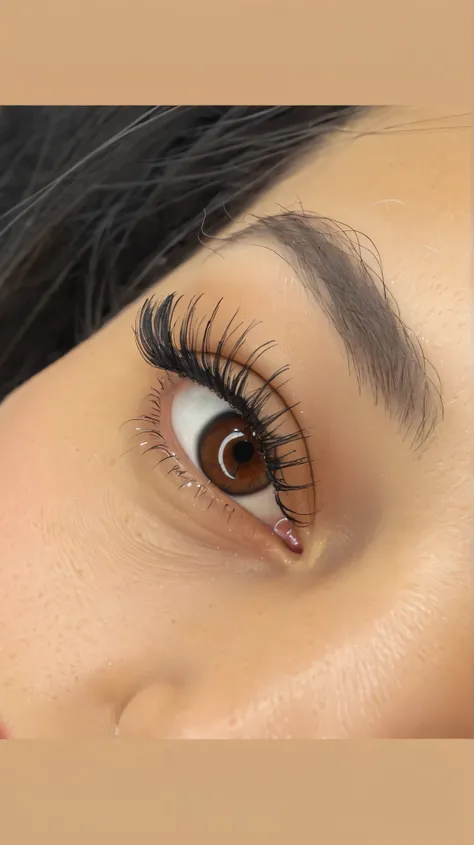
x,y
342,271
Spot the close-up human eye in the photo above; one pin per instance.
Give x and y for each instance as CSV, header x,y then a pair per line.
x,y
235,423
218,440
223,431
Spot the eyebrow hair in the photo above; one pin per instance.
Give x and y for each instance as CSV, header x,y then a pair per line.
x,y
345,277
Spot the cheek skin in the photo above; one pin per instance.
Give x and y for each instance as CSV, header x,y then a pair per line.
x,y
86,612
320,667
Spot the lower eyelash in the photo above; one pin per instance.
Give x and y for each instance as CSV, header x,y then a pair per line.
x,y
155,333
152,420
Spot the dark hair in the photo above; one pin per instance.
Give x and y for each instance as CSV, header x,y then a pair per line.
x,y
97,203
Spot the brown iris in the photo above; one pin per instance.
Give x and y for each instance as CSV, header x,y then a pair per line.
x,y
230,456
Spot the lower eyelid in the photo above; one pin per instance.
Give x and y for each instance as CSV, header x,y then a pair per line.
x,y
200,507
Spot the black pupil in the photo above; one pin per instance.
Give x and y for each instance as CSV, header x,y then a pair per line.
x,y
243,451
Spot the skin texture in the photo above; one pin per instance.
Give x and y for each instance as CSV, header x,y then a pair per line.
x,y
126,610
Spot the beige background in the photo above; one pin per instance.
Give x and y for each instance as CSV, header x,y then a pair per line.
x,y
237,51
237,793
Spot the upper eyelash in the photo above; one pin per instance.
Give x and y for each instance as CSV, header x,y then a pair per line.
x,y
157,332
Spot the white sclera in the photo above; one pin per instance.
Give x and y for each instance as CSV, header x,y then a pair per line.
x,y
192,410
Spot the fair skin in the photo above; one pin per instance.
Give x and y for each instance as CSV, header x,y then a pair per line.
x,y
130,608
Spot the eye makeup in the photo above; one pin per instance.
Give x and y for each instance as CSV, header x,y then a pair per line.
x,y
250,443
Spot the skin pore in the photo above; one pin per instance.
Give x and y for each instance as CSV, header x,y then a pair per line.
x,y
129,606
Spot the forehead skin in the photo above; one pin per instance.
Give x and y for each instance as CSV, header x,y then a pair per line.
x,y
84,633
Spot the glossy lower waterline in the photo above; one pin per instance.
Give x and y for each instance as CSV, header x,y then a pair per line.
x,y
286,532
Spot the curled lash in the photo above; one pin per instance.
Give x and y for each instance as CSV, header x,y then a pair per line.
x,y
184,347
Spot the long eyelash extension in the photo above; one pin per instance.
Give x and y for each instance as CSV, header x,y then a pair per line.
x,y
184,347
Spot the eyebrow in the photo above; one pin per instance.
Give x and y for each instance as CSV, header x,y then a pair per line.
x,y
342,271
